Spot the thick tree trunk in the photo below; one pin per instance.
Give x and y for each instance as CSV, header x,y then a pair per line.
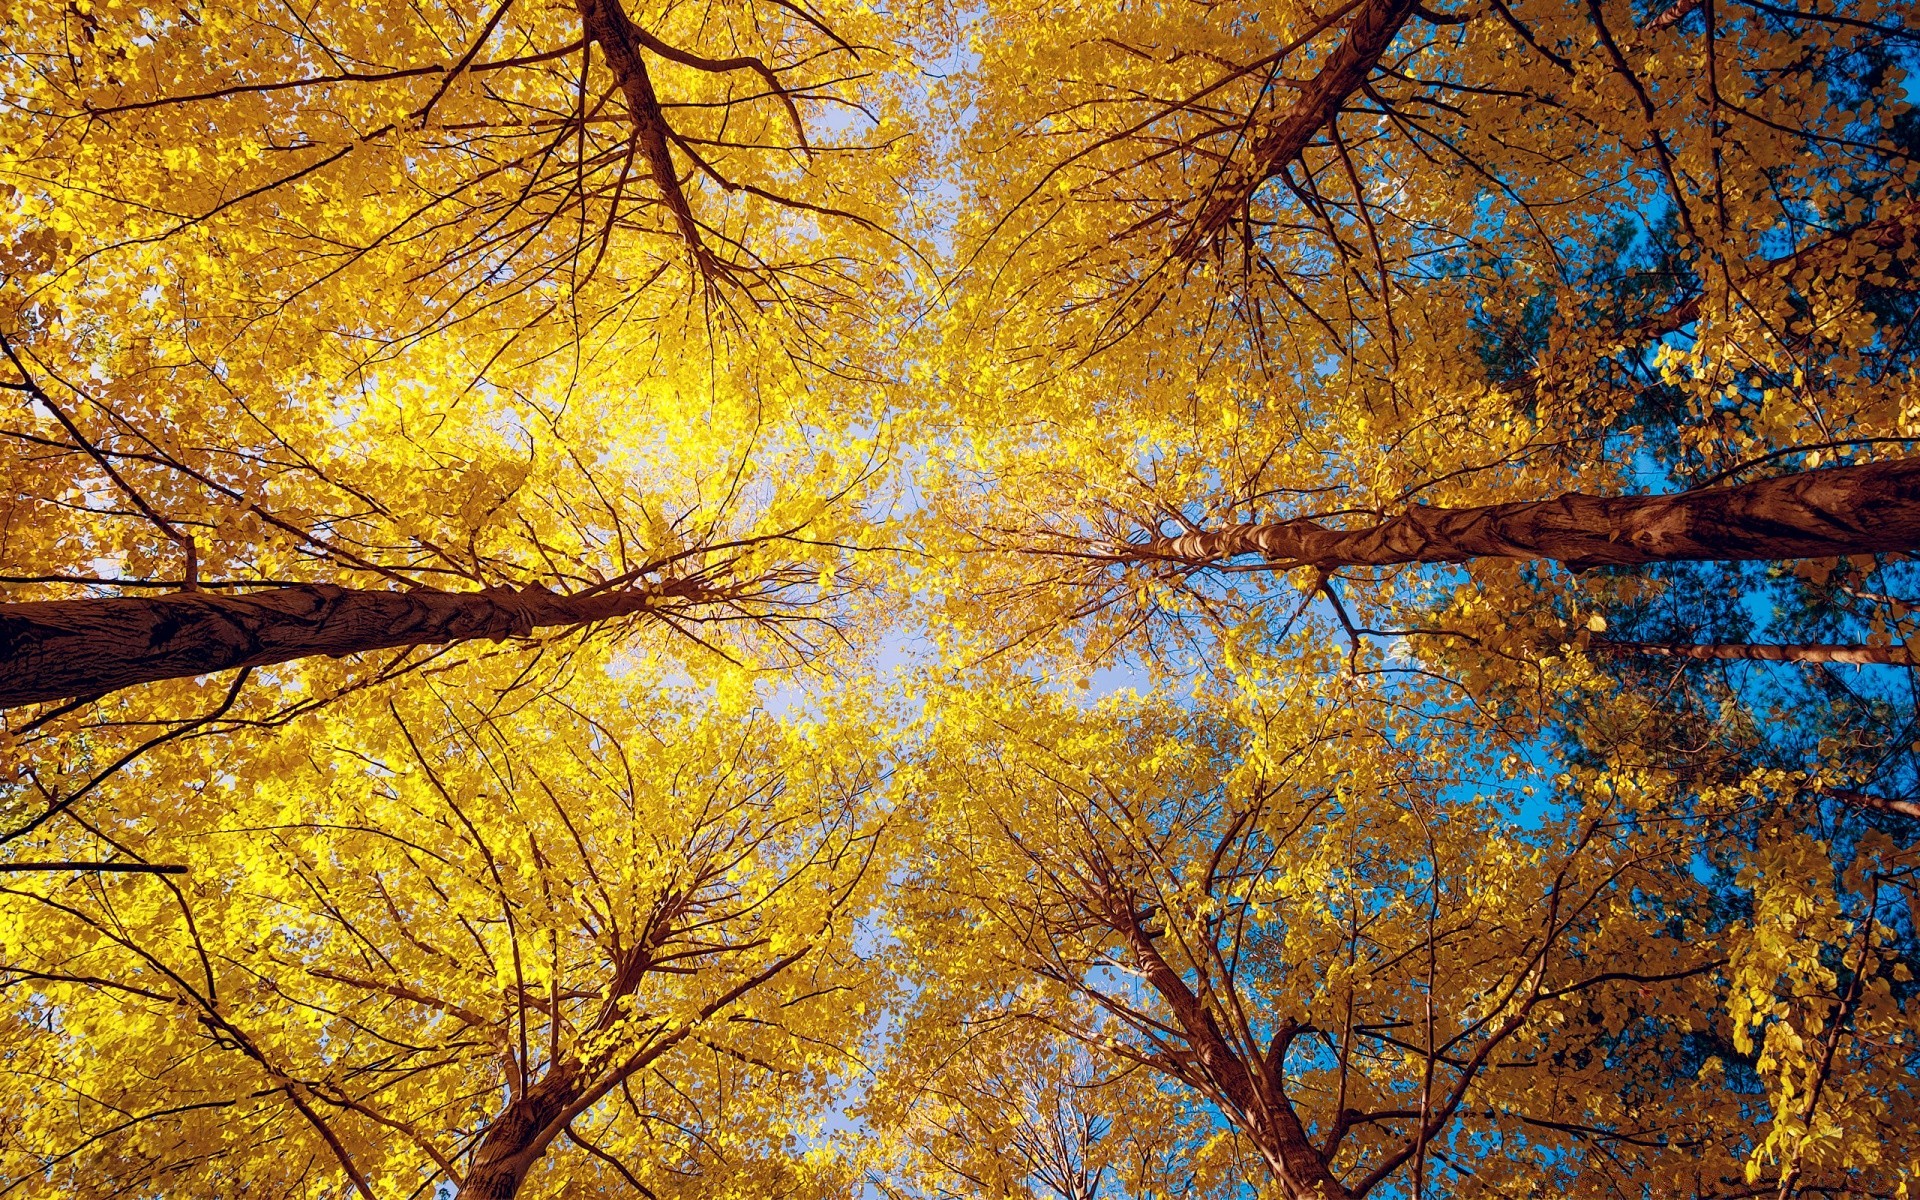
x,y
1896,656
1368,35
58,649
1815,514
519,1137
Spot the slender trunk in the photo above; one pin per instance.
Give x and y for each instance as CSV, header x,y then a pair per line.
x,y
606,23
515,1141
1897,656
58,649
1267,1116
1866,509
1892,804
1674,14
1368,35
1887,233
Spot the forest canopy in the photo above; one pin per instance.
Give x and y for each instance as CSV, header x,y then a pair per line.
x,y
1095,601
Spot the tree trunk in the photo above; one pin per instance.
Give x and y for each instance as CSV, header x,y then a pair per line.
x,y
1813,514
1896,656
1892,804
1265,1113
607,25
519,1137
1368,34
59,649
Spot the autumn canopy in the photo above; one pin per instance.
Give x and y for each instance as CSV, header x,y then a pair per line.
x,y
1101,600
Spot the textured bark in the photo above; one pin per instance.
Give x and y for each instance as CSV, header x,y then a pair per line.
x,y
515,1141
1814,514
135,868
1674,14
1897,656
57,649
1368,35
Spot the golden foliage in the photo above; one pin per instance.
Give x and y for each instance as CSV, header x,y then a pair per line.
x,y
920,827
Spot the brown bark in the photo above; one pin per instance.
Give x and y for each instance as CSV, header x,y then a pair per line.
x,y
515,1141
56,649
1368,34
607,26
1270,1121
1897,656
136,868
1674,14
1892,804
1867,509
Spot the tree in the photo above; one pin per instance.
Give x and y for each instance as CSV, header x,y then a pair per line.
x,y
385,332
407,269
66,649
549,948
1343,391
1519,255
506,165
986,1106
714,528
1381,976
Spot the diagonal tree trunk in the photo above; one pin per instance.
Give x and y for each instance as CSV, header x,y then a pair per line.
x,y
517,1139
1369,33
1891,804
1266,1114
607,25
60,649
1867,509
